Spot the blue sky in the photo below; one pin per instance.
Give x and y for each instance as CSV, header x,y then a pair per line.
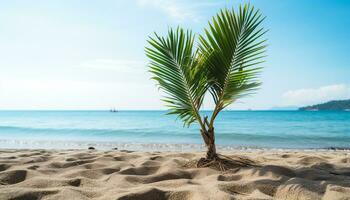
x,y
69,54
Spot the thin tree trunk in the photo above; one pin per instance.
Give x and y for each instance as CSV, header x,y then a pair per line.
x,y
209,139
211,152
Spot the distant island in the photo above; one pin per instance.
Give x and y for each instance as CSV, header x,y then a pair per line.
x,y
337,105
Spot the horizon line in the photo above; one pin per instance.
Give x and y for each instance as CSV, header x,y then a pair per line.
x,y
123,110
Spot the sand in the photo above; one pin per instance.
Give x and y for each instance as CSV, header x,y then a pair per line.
x,y
122,175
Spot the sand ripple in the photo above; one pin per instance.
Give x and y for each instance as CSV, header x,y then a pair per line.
x,y
117,175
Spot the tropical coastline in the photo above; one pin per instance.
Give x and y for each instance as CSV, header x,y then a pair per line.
x,y
174,100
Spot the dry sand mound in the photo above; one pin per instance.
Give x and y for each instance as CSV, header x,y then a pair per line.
x,y
116,175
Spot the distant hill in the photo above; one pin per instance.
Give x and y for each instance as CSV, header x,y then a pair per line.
x,y
331,105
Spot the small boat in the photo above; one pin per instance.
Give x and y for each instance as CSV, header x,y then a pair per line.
x,y
113,110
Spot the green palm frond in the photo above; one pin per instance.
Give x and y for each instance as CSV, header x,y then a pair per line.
x,y
233,47
174,66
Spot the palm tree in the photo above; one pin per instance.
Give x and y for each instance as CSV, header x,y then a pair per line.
x,y
224,64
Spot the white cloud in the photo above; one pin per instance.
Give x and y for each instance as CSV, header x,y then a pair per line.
x,y
74,94
308,96
101,84
172,8
123,66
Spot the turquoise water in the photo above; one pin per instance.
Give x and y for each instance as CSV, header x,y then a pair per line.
x,y
153,130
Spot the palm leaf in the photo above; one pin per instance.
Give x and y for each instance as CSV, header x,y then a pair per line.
x,y
233,47
174,66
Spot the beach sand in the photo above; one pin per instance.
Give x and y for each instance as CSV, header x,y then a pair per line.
x,y
122,175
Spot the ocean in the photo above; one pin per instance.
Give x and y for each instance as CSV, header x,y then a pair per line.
x,y
156,131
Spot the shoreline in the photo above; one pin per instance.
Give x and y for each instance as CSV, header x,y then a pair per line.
x,y
117,174
146,147
93,149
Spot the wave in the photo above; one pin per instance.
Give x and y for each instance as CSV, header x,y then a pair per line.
x,y
94,131
180,147
165,138
164,132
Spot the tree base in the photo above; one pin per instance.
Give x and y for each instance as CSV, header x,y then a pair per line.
x,y
224,163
